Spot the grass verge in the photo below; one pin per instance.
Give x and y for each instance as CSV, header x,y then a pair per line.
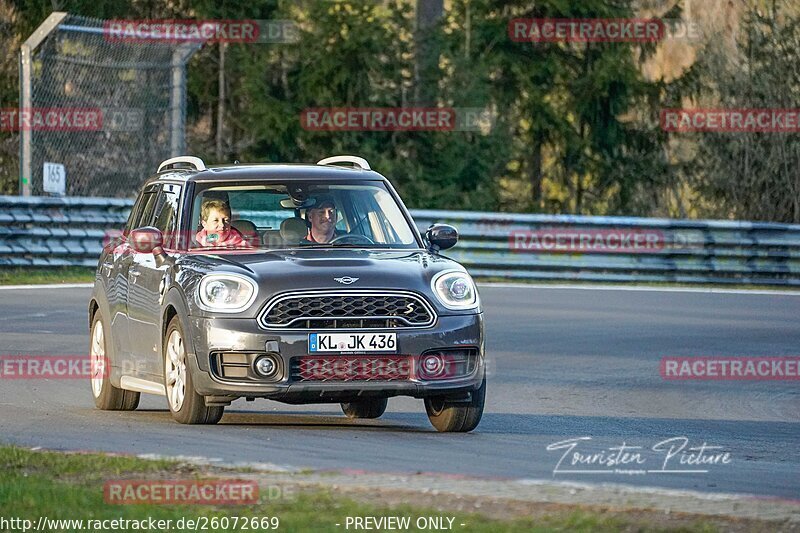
x,y
39,276
70,487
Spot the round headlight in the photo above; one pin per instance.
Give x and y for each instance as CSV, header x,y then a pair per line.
x,y
455,289
217,291
226,293
459,289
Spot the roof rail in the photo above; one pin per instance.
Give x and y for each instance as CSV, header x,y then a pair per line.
x,y
358,161
196,162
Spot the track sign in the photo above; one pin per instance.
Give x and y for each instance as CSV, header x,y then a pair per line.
x,y
55,178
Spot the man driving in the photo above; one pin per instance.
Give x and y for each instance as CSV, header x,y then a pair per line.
x,y
321,221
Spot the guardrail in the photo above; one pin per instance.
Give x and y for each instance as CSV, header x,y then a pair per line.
x,y
49,231
623,249
70,231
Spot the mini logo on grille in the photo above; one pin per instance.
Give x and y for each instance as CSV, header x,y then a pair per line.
x,y
347,280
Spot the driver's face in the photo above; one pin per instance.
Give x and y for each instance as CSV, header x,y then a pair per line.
x,y
323,219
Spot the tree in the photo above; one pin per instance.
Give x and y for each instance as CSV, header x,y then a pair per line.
x,y
750,175
9,96
561,107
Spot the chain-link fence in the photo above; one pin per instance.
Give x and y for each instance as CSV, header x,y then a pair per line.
x,y
107,109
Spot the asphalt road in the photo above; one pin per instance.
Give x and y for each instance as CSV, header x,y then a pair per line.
x,y
564,364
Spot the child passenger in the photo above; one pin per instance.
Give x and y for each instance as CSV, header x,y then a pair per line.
x,y
215,217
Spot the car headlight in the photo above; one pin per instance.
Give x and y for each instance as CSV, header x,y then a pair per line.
x,y
226,293
455,289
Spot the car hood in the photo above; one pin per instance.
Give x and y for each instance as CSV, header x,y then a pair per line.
x,y
319,268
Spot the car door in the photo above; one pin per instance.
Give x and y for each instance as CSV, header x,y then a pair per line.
x,y
147,284
117,264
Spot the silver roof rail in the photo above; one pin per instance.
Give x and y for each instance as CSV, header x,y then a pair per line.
x,y
358,161
196,162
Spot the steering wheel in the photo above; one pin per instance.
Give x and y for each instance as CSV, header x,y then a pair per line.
x,y
352,237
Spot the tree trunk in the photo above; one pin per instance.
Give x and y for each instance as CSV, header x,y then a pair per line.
x,y
535,173
426,67
221,102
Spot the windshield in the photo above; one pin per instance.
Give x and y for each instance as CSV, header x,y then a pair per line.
x,y
294,215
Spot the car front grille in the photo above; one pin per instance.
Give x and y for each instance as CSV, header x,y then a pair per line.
x,y
347,309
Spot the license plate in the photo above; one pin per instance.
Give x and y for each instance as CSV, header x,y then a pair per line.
x,y
352,342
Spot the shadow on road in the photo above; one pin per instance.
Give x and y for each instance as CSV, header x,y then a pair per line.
x,y
299,420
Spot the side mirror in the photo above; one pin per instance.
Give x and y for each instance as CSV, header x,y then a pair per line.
x,y
147,240
441,236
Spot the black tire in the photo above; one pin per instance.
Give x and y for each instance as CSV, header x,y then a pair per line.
x,y
193,408
110,398
458,417
368,408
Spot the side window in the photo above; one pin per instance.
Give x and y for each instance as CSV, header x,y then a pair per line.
x,y
143,210
147,210
136,213
165,213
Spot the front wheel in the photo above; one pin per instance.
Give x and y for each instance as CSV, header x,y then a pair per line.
x,y
461,417
186,406
369,408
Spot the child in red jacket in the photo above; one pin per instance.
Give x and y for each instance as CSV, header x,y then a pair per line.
x,y
215,216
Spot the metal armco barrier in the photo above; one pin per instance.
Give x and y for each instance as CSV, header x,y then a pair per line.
x,y
49,231
622,249
70,231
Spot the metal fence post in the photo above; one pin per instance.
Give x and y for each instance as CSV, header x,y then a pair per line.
x,y
177,97
26,96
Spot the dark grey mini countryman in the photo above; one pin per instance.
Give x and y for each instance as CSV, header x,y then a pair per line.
x,y
295,283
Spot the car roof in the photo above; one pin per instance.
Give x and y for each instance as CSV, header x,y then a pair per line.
x,y
299,172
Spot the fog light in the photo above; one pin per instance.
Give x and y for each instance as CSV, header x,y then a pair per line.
x,y
265,366
432,366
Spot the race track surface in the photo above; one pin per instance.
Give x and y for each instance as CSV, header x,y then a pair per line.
x,y
564,363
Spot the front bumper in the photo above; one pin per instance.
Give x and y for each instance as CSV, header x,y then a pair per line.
x,y
212,335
